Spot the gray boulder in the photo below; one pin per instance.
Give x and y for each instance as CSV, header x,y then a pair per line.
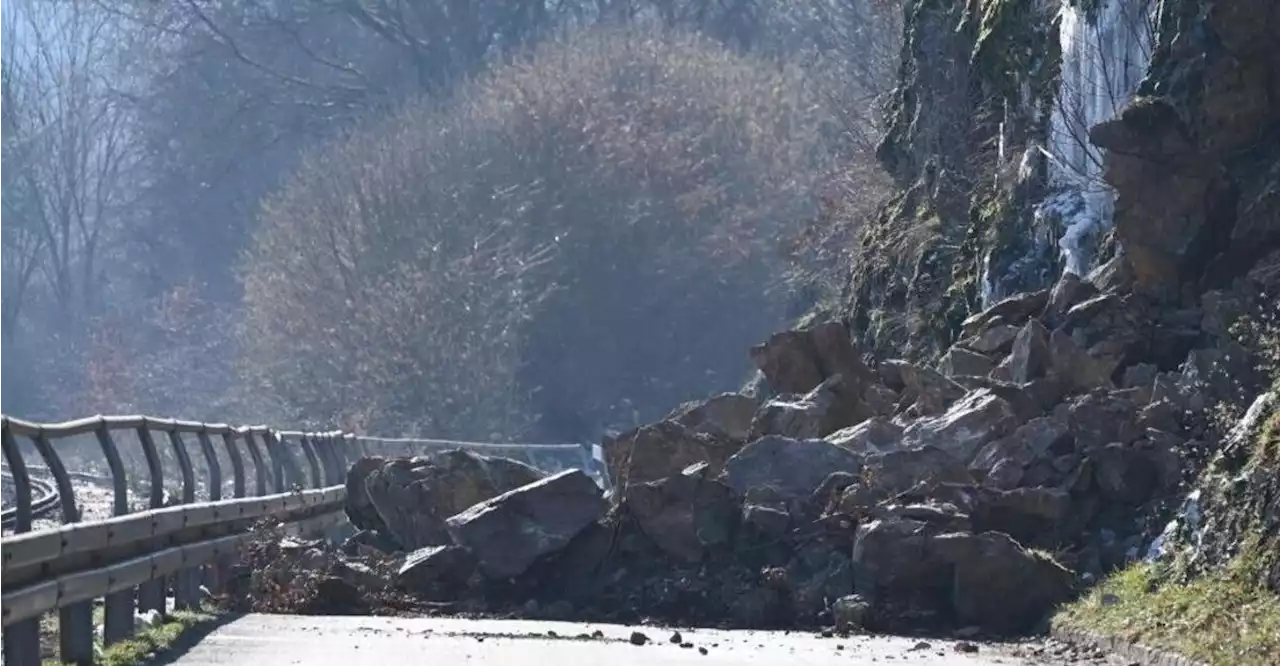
x,y
408,499
509,532
684,514
793,467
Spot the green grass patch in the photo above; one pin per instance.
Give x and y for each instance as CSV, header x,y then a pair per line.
x,y
1225,618
144,645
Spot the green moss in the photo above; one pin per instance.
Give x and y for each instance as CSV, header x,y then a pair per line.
x,y
1224,618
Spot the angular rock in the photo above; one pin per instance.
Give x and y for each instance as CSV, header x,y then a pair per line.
x,y
887,474
959,361
435,564
892,559
509,532
1014,310
794,467
871,436
850,612
978,418
928,390
1081,370
1029,359
684,514
994,340
797,361
827,408
998,585
818,573
766,510
1069,291
727,415
359,508
663,449
412,497
1036,439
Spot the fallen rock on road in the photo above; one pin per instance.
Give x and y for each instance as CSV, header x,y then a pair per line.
x,y
973,495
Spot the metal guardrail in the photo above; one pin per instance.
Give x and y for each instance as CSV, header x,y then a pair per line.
x,y
44,500
133,561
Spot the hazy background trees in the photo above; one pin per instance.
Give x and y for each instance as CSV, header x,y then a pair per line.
x,y
479,219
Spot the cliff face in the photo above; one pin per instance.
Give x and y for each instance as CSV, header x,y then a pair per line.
x,y
1132,143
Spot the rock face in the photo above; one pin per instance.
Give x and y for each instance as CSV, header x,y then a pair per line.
x,y
509,532
409,499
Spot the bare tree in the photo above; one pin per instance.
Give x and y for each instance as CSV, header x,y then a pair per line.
x,y
68,150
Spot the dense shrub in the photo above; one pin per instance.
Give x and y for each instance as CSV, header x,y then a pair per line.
x,y
588,234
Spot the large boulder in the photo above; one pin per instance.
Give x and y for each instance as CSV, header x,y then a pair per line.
x,y
509,532
873,435
927,390
826,409
887,474
662,449
1003,462
794,467
408,499
684,514
985,580
797,361
997,585
967,426
725,415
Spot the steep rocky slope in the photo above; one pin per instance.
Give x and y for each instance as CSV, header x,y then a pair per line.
x,y
1133,143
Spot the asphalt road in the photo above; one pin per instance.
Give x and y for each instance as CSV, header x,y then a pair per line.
x,y
282,640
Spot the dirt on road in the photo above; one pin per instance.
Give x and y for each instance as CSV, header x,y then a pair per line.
x,y
287,640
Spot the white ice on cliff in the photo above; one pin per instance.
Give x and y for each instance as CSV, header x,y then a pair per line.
x,y
1104,58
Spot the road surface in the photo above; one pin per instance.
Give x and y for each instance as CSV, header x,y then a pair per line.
x,y
288,640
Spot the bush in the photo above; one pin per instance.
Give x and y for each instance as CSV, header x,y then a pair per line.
x,y
586,235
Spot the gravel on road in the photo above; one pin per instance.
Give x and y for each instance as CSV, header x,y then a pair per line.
x,y
288,640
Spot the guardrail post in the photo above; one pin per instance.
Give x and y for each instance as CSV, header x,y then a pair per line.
x,y
328,458
208,575
313,463
288,474
151,594
237,464
117,607
21,639
75,621
186,582
259,465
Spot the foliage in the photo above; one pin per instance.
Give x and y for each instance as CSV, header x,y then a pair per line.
x,y
1224,617
591,224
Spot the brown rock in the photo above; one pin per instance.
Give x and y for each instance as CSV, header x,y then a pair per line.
x,y
663,449
727,415
684,514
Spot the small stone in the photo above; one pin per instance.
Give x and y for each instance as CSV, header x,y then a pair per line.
x,y
839,646
676,639
686,645
827,633
702,650
1110,600
552,634
966,646
597,634
922,645
638,638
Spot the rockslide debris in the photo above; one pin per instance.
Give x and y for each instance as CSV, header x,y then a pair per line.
x,y
974,495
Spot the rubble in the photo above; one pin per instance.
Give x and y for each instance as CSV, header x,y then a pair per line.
x,y
969,498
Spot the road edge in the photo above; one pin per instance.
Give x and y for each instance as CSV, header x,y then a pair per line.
x,y
1135,652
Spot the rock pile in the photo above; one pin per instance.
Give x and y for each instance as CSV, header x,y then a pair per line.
x,y
973,495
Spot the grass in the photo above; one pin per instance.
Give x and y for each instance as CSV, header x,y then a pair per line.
x,y
1224,618
144,645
